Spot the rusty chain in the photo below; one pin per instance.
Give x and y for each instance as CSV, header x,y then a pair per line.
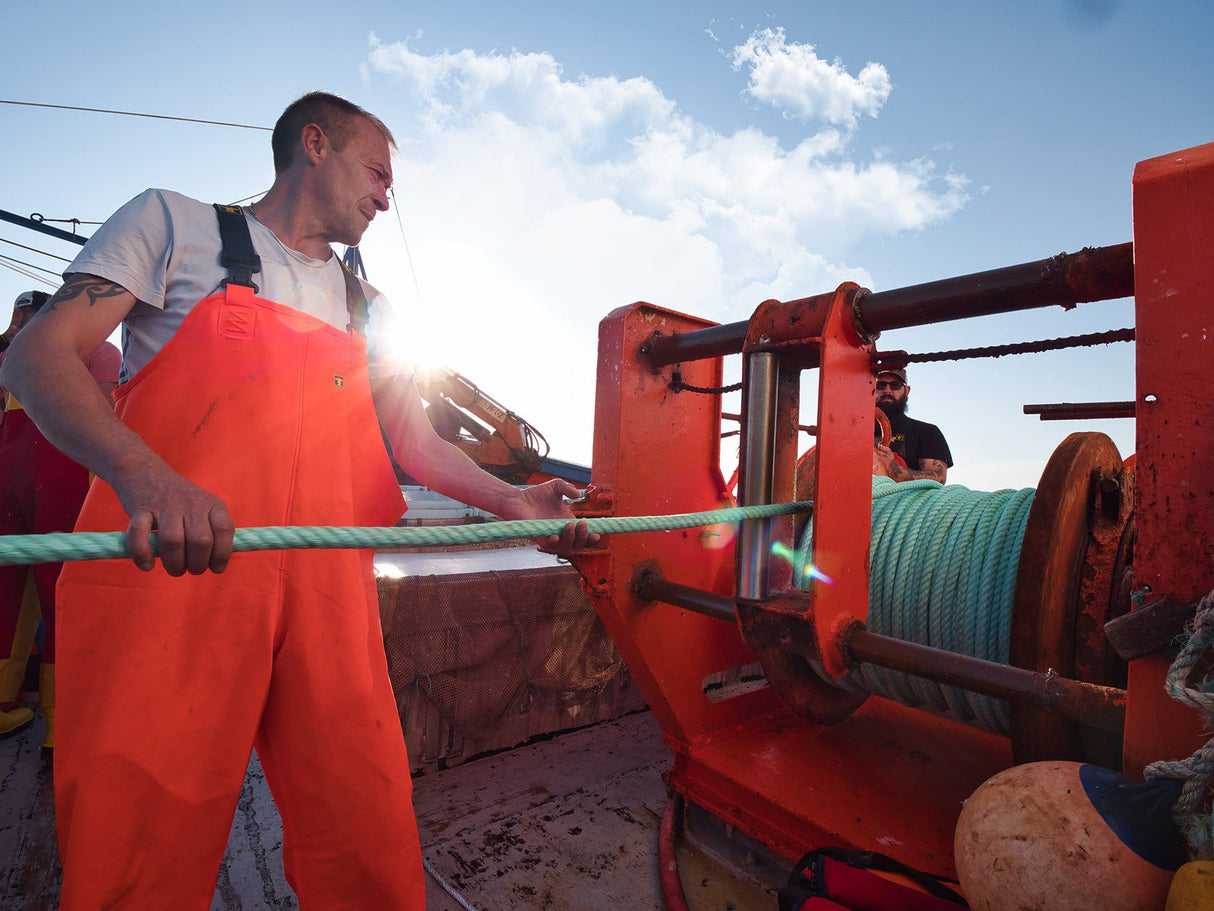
x,y
1055,344
957,354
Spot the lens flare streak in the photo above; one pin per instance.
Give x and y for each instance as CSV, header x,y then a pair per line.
x,y
806,573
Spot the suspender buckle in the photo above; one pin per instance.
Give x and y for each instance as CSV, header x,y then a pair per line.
x,y
237,254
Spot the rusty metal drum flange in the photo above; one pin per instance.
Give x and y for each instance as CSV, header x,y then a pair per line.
x,y
1070,581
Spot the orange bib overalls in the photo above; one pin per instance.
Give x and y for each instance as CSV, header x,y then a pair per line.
x,y
165,684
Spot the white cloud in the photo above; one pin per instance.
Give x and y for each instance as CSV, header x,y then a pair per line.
x,y
528,88
539,201
794,79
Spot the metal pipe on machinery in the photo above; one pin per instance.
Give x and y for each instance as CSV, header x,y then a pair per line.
x,y
1097,706
758,419
1065,280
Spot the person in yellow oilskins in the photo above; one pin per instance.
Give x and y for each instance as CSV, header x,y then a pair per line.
x,y
13,715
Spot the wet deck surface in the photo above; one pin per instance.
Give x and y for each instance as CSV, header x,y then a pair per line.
x,y
566,824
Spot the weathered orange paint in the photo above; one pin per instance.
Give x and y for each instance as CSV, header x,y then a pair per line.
x,y
749,759
1174,488
888,778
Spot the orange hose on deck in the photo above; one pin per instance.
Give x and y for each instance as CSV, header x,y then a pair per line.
x,y
668,864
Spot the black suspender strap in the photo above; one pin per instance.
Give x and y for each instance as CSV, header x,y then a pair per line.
x,y
356,301
242,262
237,255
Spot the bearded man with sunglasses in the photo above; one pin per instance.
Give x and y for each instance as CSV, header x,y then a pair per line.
x,y
916,449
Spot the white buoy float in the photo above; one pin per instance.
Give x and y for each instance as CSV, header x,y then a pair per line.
x,y
1057,836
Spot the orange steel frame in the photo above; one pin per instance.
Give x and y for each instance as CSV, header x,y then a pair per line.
x,y
1174,486
888,778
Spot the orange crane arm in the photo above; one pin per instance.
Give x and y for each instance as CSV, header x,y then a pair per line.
x,y
490,434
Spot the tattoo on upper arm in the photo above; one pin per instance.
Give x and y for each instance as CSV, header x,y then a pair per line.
x,y
82,285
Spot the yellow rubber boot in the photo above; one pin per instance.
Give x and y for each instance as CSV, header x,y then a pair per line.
x,y
12,672
12,666
46,698
14,719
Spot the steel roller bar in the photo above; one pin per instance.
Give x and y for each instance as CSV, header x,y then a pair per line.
x,y
715,341
1100,707
753,553
652,587
1079,411
1092,274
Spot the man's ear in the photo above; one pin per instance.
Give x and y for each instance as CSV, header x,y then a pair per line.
x,y
315,143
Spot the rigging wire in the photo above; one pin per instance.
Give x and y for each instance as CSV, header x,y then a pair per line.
x,y
8,259
243,126
34,250
69,107
30,275
405,240
40,218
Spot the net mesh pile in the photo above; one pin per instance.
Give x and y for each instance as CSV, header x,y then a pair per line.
x,y
485,661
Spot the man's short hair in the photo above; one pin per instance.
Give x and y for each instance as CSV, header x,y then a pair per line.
x,y
336,116
32,299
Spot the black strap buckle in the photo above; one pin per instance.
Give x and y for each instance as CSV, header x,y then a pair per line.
x,y
237,255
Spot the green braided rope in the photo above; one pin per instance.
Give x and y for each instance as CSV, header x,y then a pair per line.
x,y
942,572
1192,810
18,550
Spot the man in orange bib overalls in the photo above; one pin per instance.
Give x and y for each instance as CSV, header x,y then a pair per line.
x,y
246,400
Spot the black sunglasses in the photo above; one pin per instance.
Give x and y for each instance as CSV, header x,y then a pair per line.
x,y
892,385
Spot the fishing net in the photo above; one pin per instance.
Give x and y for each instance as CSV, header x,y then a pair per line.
x,y
484,661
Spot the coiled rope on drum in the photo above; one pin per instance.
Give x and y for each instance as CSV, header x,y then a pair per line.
x,y
942,572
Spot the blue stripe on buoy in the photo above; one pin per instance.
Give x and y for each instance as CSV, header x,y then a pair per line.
x,y
1138,813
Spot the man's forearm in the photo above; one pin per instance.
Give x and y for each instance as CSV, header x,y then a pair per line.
x,y
931,469
435,462
453,474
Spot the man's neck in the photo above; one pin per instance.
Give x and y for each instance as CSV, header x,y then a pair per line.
x,y
293,228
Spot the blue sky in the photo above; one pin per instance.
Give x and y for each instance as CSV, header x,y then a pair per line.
x,y
558,162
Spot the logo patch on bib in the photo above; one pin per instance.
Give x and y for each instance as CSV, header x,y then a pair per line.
x,y
237,321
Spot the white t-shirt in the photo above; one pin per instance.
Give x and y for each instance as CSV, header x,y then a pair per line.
x,y
164,248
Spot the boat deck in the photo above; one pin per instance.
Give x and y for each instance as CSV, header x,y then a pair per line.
x,y
564,824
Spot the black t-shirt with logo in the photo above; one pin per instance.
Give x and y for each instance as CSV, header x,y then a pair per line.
x,y
917,440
